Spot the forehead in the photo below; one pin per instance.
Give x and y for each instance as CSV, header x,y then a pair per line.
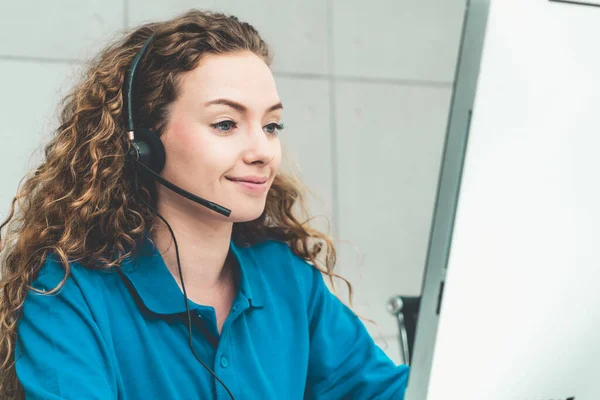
x,y
243,77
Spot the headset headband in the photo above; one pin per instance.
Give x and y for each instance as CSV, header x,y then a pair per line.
x,y
130,79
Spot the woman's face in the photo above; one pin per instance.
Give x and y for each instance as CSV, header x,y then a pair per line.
x,y
222,134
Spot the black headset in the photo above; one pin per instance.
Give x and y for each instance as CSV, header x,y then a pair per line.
x,y
148,153
147,150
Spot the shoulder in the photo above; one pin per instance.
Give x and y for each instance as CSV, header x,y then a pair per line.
x,y
72,281
54,271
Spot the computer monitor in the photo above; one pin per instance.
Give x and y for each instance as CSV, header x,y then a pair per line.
x,y
510,308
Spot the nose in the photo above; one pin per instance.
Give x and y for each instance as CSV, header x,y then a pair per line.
x,y
261,147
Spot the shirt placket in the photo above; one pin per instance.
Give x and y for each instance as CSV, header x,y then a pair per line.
x,y
224,365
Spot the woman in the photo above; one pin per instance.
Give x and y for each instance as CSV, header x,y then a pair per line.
x,y
94,303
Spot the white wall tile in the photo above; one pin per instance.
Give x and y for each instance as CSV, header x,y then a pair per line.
x,y
28,111
397,39
307,140
296,30
390,141
140,11
58,29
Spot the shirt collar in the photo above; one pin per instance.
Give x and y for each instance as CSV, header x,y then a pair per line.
x,y
150,278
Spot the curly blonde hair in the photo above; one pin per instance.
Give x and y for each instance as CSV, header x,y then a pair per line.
x,y
80,205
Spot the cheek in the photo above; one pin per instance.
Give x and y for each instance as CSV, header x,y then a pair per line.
x,y
187,143
277,159
198,151
184,139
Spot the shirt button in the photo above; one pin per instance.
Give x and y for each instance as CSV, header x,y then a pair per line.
x,y
224,362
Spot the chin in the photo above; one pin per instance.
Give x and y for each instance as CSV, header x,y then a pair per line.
x,y
244,214
236,218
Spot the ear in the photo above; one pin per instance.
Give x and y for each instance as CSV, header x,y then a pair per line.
x,y
151,150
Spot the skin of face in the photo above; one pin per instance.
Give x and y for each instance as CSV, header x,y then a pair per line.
x,y
223,126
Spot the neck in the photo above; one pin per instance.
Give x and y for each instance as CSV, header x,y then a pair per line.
x,y
203,249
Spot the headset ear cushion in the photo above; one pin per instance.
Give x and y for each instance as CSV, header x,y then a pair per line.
x,y
151,149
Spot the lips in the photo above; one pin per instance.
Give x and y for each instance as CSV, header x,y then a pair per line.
x,y
248,179
253,185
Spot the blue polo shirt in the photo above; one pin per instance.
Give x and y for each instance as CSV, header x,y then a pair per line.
x,y
122,334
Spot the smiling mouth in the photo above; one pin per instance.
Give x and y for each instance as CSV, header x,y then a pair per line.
x,y
254,181
256,188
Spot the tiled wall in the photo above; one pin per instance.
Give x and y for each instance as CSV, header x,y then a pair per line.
x,y
366,88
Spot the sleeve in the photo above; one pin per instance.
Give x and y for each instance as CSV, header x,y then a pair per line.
x,y
60,353
344,361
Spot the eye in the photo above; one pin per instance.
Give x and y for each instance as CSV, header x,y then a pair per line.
x,y
224,126
273,128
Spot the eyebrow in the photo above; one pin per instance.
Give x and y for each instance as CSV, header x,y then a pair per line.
x,y
240,107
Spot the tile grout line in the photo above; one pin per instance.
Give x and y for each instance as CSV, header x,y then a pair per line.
x,y
125,14
360,79
293,75
397,82
41,60
333,125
